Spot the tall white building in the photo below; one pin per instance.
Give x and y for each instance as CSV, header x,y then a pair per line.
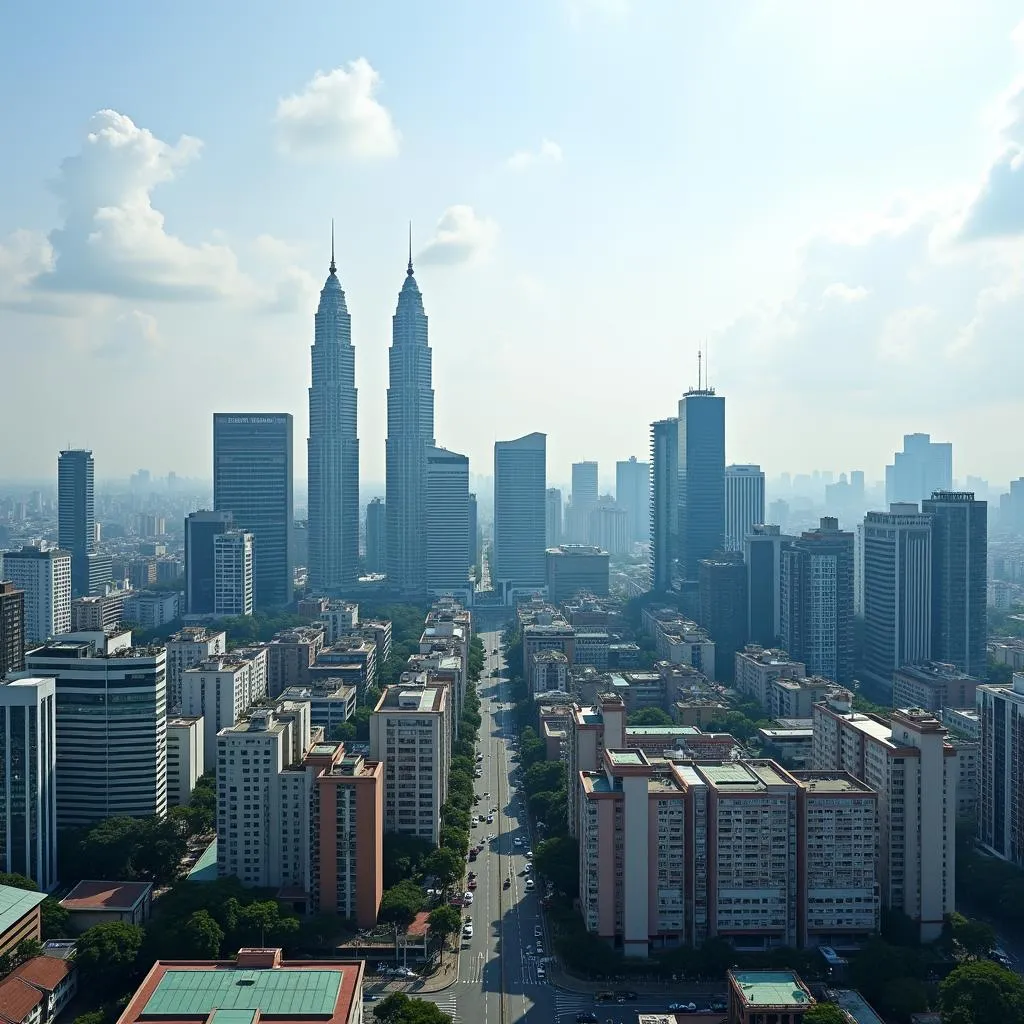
x,y
914,771
185,650
897,590
219,689
519,514
111,728
582,499
185,758
232,573
447,522
410,732
923,466
45,577
633,493
1001,772
744,503
28,784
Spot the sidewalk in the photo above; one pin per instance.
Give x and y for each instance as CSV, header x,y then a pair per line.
x,y
443,978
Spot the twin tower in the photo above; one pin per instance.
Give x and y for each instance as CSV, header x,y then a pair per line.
x,y
334,442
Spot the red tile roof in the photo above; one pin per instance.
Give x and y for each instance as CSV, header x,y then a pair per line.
x,y
93,895
419,924
18,999
47,972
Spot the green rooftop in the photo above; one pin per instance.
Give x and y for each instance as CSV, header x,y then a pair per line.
x,y
233,1017
771,988
279,991
626,758
205,869
16,903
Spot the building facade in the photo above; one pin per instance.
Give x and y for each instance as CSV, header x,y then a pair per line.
x,y
701,479
44,577
201,530
723,608
447,523
552,517
186,760
664,503
1001,771
633,495
233,591
519,514
185,649
76,516
744,503
376,537
12,627
762,554
572,568
922,467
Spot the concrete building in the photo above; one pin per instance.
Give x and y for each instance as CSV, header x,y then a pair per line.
x,y
680,640
582,498
111,727
897,591
922,467
744,503
28,785
331,702
44,577
933,686
762,554
339,618
19,917
376,537
447,523
572,568
908,762
76,522
553,633
723,607
758,996
552,517
97,612
519,515
474,532
758,667
12,627
290,657
186,649
633,494
252,478
233,592
664,505
959,579
333,447
795,698
186,760
609,527
201,529
352,660
147,609
549,670
1001,770
411,733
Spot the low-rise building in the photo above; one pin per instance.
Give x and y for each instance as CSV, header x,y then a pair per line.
x,y
963,722
794,747
591,647
680,640
54,977
19,917
757,667
100,612
148,609
186,649
352,659
186,760
759,996
573,569
698,711
549,670
795,697
331,702
290,656
933,685
93,902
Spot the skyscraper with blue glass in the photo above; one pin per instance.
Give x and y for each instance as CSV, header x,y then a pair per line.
x,y
701,495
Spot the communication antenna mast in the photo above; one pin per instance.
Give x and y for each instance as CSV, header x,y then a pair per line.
x,y
699,378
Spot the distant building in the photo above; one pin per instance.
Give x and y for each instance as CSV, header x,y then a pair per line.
x,y
701,479
186,762
219,690
744,503
233,574
553,517
186,649
519,518
376,536
922,467
664,504
723,608
573,568
12,627
474,532
446,507
762,555
633,494
201,529
290,656
582,499
93,613
44,577
933,685
76,522
609,527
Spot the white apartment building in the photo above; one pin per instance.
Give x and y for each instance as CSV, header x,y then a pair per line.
x,y
758,667
744,503
1001,770
411,733
232,573
339,618
28,785
111,727
914,771
185,758
45,577
187,649
219,690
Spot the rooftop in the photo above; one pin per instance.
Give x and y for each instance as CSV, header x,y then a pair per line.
x,y
95,895
44,971
626,758
857,1006
205,869
771,988
15,904
17,999
830,782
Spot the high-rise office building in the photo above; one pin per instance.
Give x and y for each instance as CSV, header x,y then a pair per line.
x,y
519,516
333,452
76,522
376,536
744,503
701,479
959,579
664,502
410,434
45,579
201,528
232,573
582,499
897,590
474,532
633,493
553,517
12,627
28,769
574,569
816,601
723,608
762,554
923,466
252,479
447,522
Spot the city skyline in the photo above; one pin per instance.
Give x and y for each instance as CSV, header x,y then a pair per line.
x,y
794,273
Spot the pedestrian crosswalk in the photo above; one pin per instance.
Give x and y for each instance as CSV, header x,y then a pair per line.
x,y
568,1004
447,1003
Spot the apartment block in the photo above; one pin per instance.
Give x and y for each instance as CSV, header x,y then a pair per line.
x,y
290,656
12,627
338,618
758,667
550,633
1001,770
679,640
101,612
590,730
912,767
548,670
411,733
331,702
795,698
352,659
933,685
186,649
45,579
575,568
186,759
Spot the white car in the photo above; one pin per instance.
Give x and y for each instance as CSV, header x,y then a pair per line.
x,y
467,931
467,898
517,841
540,949
529,883
529,854
541,973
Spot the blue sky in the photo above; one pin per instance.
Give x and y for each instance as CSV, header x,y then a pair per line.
x,y
829,196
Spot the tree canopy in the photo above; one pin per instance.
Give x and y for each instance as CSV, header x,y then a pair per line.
x,y
982,992
557,859
650,716
401,903
398,1008
825,1013
131,849
108,954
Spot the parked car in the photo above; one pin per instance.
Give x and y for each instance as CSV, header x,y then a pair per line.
x,y
682,1007
529,883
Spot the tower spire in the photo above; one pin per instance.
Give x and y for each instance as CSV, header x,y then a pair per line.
x,y
699,380
408,269
333,268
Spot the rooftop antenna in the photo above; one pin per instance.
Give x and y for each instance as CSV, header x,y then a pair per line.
x,y
408,269
333,268
699,379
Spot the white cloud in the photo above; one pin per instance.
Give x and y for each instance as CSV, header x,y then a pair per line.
x,y
337,115
461,237
131,335
548,153
840,292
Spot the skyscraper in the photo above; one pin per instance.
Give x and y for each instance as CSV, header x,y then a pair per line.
x,y
553,517
762,552
12,627
376,536
723,609
923,466
519,519
45,579
333,451
410,434
633,493
232,573
744,503
816,598
76,523
664,502
897,590
447,508
252,479
701,479
582,499
959,579
201,530
474,532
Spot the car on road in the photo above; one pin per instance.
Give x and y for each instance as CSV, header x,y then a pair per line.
x,y
529,883
540,949
467,898
529,854
541,973
587,1017
472,883
517,841
682,1007
467,931
490,819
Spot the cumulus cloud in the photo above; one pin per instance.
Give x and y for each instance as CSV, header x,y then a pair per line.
x,y
461,237
112,240
131,335
548,153
337,115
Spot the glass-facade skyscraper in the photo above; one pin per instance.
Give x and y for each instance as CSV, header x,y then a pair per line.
x,y
701,480
410,434
76,522
520,485
252,479
333,451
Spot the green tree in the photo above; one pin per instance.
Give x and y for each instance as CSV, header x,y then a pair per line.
x,y
404,857
904,996
650,716
107,955
445,865
344,732
544,777
456,840
401,903
53,919
93,1017
444,921
982,992
16,881
825,1013
557,859
398,1008
202,937
975,938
